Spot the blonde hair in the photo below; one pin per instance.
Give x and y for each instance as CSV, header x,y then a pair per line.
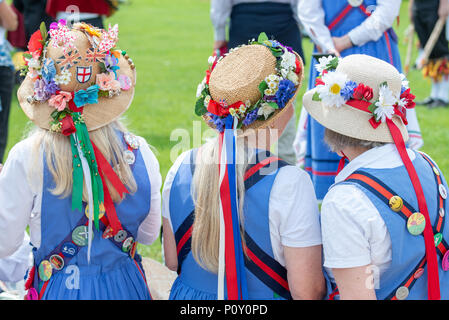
x,y
58,157
206,197
338,142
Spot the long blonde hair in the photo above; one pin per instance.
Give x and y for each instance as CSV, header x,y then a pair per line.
x,y
206,197
58,157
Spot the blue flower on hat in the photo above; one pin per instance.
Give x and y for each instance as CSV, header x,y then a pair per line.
x,y
88,96
48,70
250,117
348,90
217,121
285,92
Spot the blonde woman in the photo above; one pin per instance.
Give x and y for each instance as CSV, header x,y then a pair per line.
x,y
87,188
278,224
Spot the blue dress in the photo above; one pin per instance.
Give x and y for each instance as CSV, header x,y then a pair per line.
x,y
320,162
111,274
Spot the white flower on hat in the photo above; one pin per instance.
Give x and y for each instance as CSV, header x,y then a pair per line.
x,y
288,63
293,77
322,63
405,82
34,63
385,106
265,110
200,88
64,77
330,92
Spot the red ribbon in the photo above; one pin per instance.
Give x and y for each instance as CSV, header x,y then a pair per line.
x,y
433,283
105,170
342,162
72,106
218,109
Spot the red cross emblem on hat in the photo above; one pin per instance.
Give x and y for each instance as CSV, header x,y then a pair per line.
x,y
83,74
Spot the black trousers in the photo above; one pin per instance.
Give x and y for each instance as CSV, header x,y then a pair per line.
x,y
6,87
248,20
425,16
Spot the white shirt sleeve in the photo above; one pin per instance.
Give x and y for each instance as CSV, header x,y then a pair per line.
x,y
13,268
354,233
168,184
16,199
293,212
220,11
149,229
311,15
381,19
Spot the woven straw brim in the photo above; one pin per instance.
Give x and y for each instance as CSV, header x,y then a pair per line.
x,y
96,116
238,77
351,122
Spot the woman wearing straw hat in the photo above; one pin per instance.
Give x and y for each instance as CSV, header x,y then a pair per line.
x,y
383,221
87,188
240,223
345,27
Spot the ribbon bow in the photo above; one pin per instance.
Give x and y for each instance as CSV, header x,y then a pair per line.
x,y
88,96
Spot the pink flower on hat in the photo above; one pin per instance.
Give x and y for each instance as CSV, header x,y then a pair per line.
x,y
59,101
107,82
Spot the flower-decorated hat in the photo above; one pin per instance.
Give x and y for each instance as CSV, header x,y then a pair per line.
x,y
73,70
78,81
254,85
354,96
366,98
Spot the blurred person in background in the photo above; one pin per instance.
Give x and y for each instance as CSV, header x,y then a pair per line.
x,y
8,22
33,12
247,19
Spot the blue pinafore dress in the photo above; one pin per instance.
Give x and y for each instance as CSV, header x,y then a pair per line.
x,y
266,278
406,277
320,162
111,274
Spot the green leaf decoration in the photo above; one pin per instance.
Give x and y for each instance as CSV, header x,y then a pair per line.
x,y
274,105
316,97
27,56
103,94
262,87
384,84
372,107
102,67
333,64
240,125
262,37
43,30
200,109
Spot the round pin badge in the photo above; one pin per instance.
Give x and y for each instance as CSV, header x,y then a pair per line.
x,y
57,262
129,157
445,261
441,212
45,270
69,250
402,293
416,223
435,170
120,236
438,237
443,191
355,3
102,211
418,273
107,233
396,203
131,140
80,236
127,244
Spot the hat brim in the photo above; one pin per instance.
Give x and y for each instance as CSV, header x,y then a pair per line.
x,y
350,121
96,115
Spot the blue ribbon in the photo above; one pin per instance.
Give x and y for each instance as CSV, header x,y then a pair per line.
x,y
88,96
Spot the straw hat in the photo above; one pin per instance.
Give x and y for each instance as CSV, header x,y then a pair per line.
x,y
357,122
239,78
79,55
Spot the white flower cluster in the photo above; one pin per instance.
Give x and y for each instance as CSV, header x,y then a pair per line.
x,y
288,66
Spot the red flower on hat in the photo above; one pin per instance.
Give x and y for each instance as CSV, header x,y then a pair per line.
x,y
68,127
408,98
363,92
319,82
368,93
35,45
298,66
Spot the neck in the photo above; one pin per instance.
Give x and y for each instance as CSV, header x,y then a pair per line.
x,y
352,153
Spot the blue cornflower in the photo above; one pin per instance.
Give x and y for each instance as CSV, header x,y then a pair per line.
x,y
250,117
348,90
285,92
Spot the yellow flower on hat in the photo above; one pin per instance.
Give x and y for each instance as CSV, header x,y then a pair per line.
x,y
330,92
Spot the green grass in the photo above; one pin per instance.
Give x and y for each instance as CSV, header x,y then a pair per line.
x,y
170,42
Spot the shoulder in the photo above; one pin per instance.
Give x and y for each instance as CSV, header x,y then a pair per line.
x,y
292,177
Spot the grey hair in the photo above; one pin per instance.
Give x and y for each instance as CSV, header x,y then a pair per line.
x,y
337,141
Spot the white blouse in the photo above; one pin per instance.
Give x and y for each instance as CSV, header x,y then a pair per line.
x,y
311,15
293,209
21,198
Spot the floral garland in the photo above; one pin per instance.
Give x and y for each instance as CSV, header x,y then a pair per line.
x,y
336,89
47,81
276,89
